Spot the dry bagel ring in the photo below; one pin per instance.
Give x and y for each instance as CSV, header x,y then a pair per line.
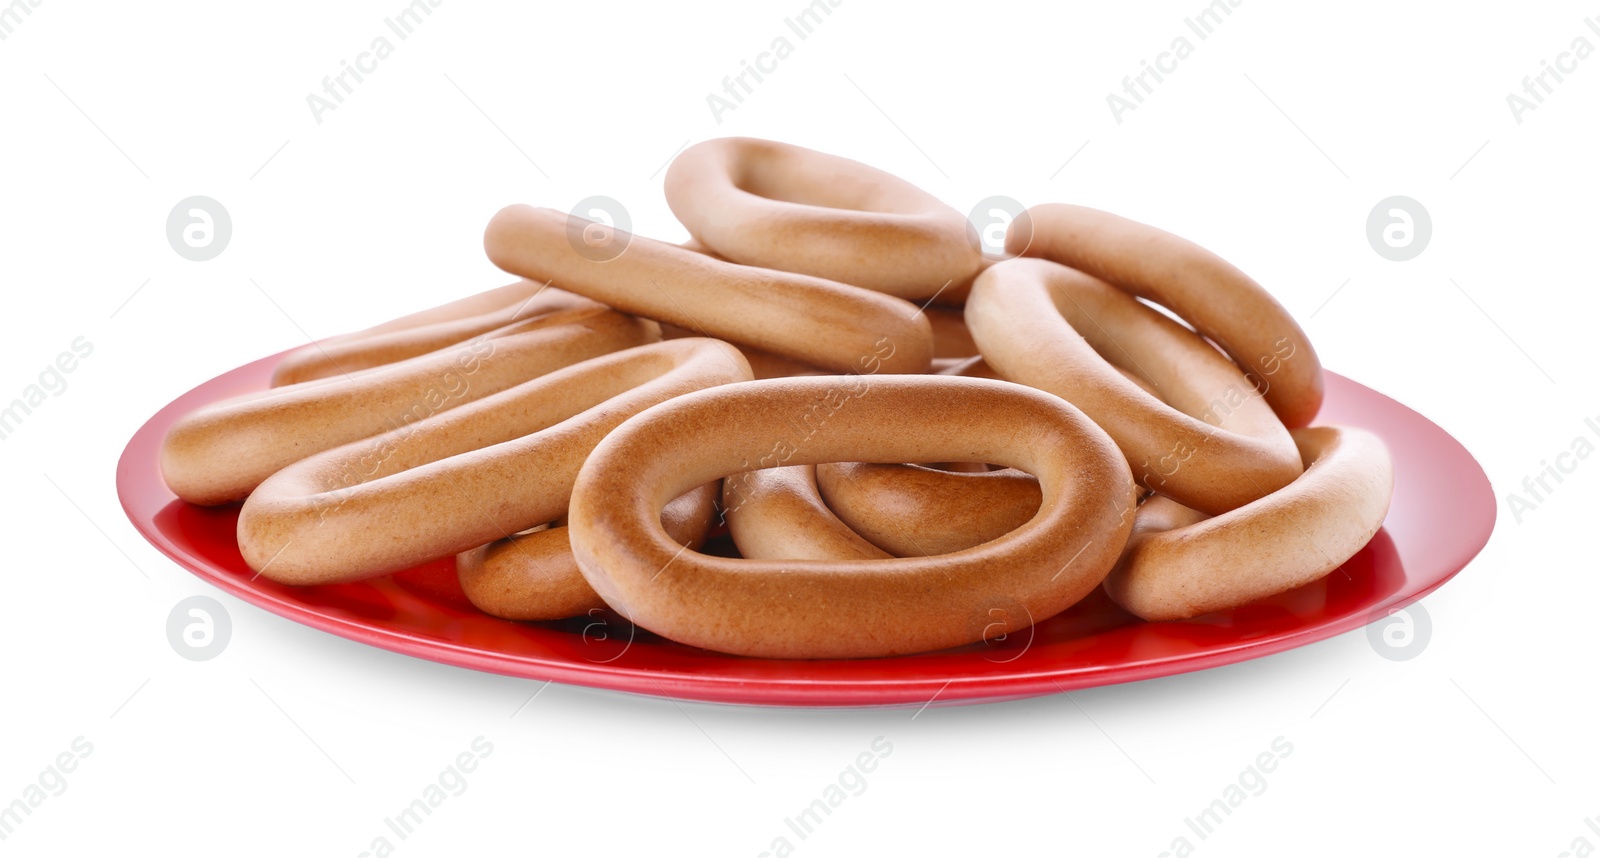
x,y
1054,328
848,609
972,367
220,453
1219,300
951,339
421,333
476,304
763,364
533,576
816,321
914,511
977,367
466,477
1180,564
778,514
760,202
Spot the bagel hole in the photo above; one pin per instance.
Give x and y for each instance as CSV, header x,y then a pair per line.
x,y
963,467
1159,308
535,529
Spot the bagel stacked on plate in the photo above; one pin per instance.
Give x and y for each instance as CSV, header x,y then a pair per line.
x,y
911,446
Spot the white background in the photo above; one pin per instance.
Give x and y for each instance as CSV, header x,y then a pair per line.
x,y
1270,144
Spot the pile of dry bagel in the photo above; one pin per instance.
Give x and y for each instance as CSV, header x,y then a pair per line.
x,y
912,446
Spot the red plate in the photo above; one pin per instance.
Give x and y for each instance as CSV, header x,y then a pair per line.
x,y
1442,515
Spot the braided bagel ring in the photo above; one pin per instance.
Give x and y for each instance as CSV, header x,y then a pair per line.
x,y
464,478
1209,442
848,609
914,511
220,453
760,202
1181,564
533,576
816,321
778,514
1220,301
421,333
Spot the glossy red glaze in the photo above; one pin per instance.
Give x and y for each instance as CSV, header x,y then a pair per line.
x,y
1442,515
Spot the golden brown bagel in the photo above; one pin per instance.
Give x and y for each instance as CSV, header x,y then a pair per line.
x,y
220,453
763,364
1181,564
1218,299
778,514
466,477
861,608
976,367
421,333
951,339
532,576
915,511
1208,442
806,318
760,202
